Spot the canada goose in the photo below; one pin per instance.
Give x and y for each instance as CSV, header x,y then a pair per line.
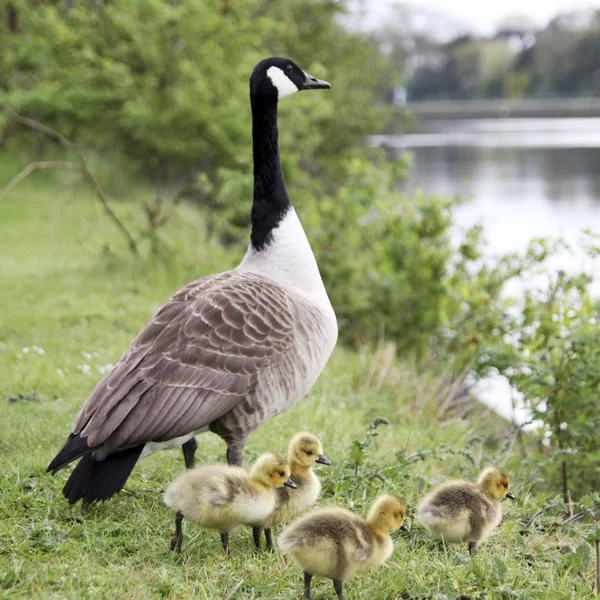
x,y
305,451
228,351
223,497
336,543
459,511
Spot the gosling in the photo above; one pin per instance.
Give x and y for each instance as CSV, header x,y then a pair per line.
x,y
304,452
222,497
336,543
459,511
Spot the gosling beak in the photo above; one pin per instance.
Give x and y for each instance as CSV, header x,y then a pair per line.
x,y
510,495
404,527
289,483
312,83
323,461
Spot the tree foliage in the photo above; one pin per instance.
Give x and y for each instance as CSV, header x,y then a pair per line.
x,y
167,82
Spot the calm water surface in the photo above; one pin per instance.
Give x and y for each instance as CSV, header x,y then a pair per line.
x,y
525,178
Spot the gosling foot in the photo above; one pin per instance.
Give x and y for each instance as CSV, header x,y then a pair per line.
x,y
177,537
269,538
225,542
337,586
307,578
256,533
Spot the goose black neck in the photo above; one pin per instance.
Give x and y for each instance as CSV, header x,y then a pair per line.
x,y
271,200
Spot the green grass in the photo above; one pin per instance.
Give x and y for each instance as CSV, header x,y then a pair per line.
x,y
69,287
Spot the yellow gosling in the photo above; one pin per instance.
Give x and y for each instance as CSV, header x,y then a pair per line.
x,y
304,452
460,511
336,543
222,497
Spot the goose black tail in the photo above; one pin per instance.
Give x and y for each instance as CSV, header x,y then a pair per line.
x,y
74,447
100,480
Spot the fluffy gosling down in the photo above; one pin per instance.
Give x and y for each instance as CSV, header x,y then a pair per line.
x,y
460,511
336,543
222,497
304,452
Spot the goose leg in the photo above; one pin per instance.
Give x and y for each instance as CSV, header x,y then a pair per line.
x,y
225,542
177,537
472,547
269,538
235,455
307,578
337,586
189,451
256,533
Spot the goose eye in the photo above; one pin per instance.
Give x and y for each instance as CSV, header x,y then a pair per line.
x,y
309,452
289,68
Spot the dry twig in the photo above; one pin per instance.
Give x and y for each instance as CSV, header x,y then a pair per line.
x,y
81,166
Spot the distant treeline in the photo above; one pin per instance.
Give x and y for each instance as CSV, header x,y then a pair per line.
x,y
518,61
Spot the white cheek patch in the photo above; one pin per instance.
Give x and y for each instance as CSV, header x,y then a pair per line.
x,y
285,86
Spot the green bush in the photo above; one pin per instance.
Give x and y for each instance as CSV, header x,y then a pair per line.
x,y
552,356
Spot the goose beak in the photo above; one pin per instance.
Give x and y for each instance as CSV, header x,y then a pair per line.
x,y
404,527
312,83
510,495
323,461
289,483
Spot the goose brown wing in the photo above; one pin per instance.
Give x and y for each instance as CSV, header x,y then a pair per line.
x,y
194,361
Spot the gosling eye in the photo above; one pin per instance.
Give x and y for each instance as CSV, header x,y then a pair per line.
x,y
505,485
281,473
309,452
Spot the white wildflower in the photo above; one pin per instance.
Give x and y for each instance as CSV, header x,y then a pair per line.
x,y
104,369
60,372
563,426
85,369
25,350
38,350
86,355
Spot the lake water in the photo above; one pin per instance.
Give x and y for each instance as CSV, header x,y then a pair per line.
x,y
525,178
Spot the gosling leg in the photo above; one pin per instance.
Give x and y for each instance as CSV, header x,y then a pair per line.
x,y
256,533
177,537
269,538
307,578
472,547
189,451
337,586
225,542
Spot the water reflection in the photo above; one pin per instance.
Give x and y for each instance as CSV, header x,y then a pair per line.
x,y
517,193
524,179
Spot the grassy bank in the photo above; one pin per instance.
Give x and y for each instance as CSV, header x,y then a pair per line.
x,y
71,300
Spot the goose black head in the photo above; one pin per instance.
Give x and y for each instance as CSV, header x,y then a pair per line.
x,y
275,78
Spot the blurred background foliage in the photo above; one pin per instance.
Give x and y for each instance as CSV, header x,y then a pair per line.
x,y
156,94
440,60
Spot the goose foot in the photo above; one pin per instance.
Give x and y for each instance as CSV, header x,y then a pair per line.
x,y
472,547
